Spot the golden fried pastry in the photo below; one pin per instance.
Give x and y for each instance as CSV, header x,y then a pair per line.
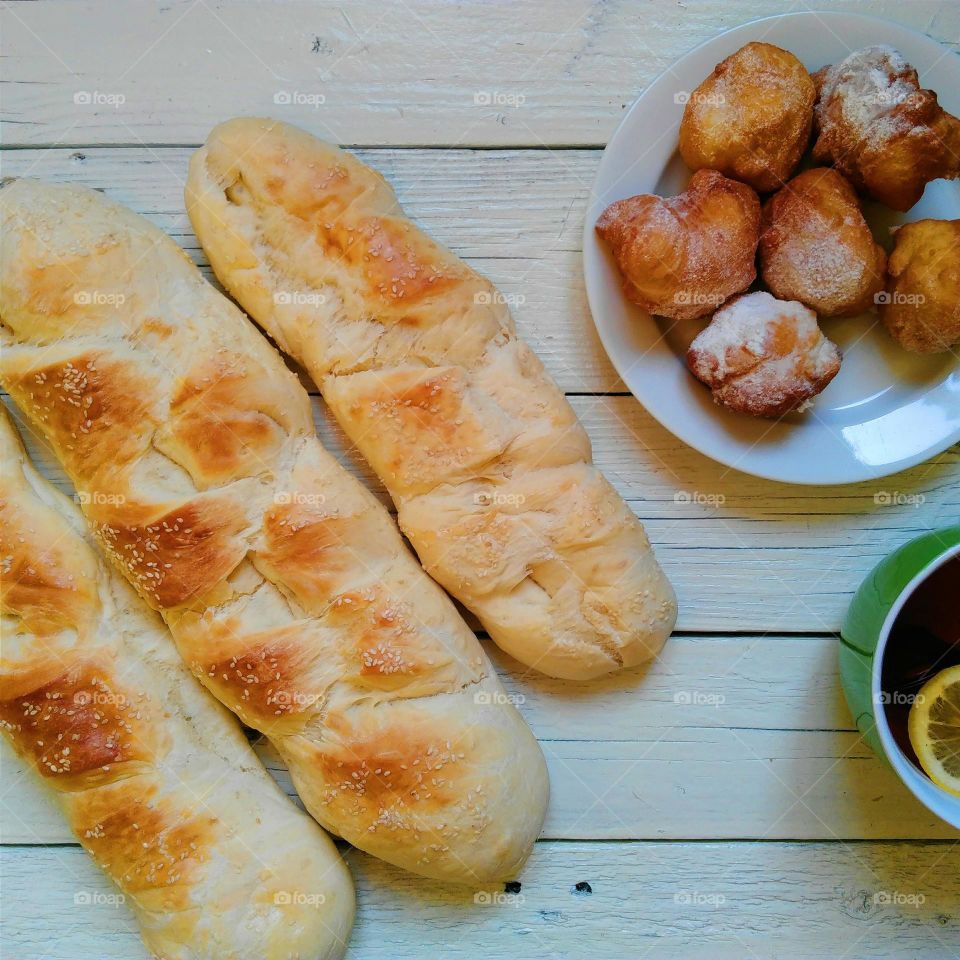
x,y
816,247
751,118
683,257
879,129
763,356
921,307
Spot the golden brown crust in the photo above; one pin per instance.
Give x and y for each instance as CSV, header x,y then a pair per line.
x,y
816,247
921,305
684,256
157,851
79,727
876,125
418,359
763,357
48,591
215,438
751,118
266,679
431,427
153,778
92,406
172,555
207,487
393,769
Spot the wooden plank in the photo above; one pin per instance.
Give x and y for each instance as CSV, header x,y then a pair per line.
x,y
725,901
668,784
371,72
516,217
720,737
733,570
481,203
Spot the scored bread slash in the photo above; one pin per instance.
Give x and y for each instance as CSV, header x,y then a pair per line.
x,y
286,584
418,358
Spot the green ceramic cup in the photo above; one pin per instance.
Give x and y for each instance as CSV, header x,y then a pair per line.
x,y
863,642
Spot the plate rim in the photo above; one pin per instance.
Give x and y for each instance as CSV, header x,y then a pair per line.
x,y
824,478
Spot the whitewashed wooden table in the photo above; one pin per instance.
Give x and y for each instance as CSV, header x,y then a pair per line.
x,y
719,804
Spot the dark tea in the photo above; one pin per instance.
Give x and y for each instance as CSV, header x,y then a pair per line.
x,y
924,639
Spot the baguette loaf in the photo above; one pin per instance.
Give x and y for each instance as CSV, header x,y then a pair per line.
x,y
418,359
287,586
156,780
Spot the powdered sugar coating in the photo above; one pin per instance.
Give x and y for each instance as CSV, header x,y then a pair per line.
x,y
763,356
870,83
816,246
881,130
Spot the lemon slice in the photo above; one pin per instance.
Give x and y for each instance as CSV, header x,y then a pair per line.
x,y
935,729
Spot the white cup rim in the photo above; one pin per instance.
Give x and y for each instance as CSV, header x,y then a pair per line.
x,y
943,804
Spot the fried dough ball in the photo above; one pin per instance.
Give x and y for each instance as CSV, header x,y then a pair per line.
x,y
921,307
816,247
880,130
751,118
684,256
763,356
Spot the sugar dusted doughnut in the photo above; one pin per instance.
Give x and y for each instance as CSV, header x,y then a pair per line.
x,y
763,356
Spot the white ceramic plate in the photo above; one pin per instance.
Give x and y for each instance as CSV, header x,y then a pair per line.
x,y
887,409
